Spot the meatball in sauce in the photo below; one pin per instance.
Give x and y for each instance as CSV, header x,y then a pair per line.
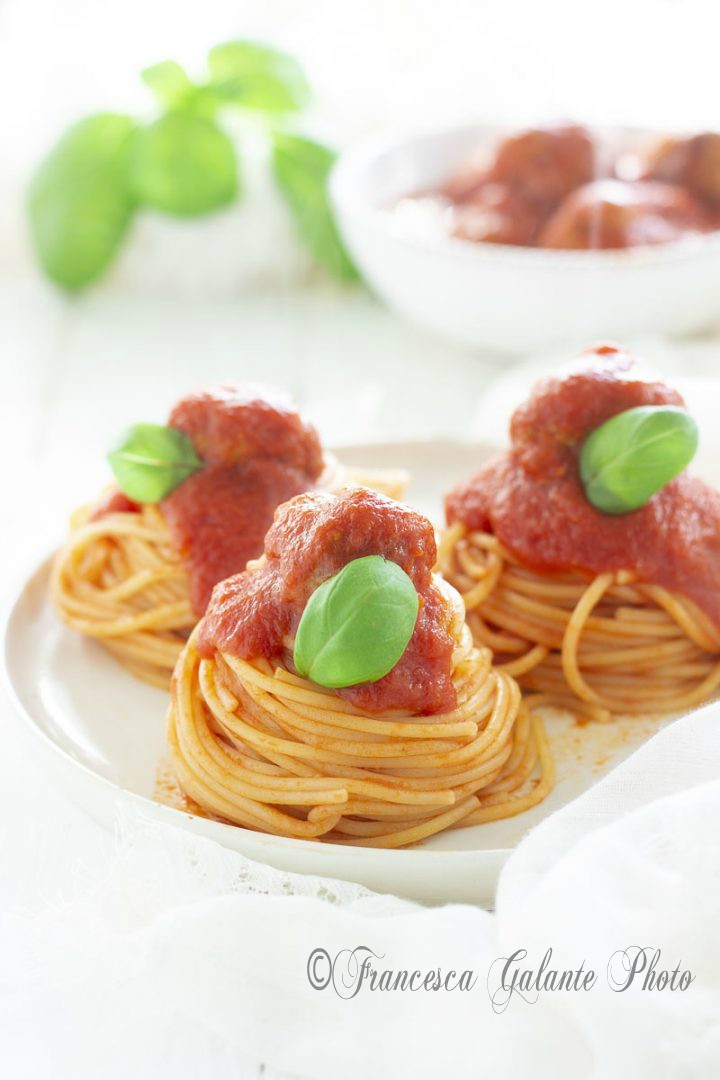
x,y
566,187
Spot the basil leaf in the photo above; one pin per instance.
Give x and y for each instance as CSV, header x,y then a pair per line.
x,y
151,460
626,460
79,201
184,165
357,624
301,168
170,83
256,76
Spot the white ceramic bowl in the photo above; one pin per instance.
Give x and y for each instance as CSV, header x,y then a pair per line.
x,y
503,298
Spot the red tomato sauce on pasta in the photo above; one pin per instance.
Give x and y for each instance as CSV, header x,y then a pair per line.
x,y
257,454
114,502
256,613
532,499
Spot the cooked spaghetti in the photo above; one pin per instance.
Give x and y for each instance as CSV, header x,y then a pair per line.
x,y
120,579
598,646
599,614
138,576
441,741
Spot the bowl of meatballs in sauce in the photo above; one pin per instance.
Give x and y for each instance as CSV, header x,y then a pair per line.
x,y
523,239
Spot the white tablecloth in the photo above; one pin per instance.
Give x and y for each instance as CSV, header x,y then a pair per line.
x,y
178,958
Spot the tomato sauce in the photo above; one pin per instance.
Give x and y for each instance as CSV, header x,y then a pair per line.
x,y
114,502
532,499
257,453
565,187
231,426
313,537
610,214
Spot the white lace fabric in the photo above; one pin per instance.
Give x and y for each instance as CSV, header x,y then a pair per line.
x,y
175,957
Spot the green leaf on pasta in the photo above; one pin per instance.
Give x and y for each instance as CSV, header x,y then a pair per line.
x,y
630,457
357,624
151,460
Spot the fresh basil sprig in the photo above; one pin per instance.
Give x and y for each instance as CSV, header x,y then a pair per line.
x,y
150,461
301,167
170,83
184,165
630,457
357,624
84,194
256,76
80,203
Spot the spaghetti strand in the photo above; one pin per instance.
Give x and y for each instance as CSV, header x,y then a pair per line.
x,y
263,748
600,646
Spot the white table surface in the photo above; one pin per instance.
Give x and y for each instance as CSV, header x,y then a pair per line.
x,y
76,372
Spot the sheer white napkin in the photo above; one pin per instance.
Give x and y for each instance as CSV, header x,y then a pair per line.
x,y
182,959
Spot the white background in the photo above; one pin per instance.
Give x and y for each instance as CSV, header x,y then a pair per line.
x,y
232,299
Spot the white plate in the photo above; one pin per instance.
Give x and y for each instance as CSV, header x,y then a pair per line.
x,y
101,733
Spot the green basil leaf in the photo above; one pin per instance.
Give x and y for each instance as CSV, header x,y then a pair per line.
x,y
151,460
301,169
626,460
256,76
79,201
170,83
184,165
357,624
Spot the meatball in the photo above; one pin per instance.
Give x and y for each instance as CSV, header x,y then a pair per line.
x,y
496,215
543,165
616,214
230,425
465,183
693,163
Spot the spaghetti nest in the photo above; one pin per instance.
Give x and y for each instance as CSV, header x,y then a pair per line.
x,y
254,744
121,580
599,645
